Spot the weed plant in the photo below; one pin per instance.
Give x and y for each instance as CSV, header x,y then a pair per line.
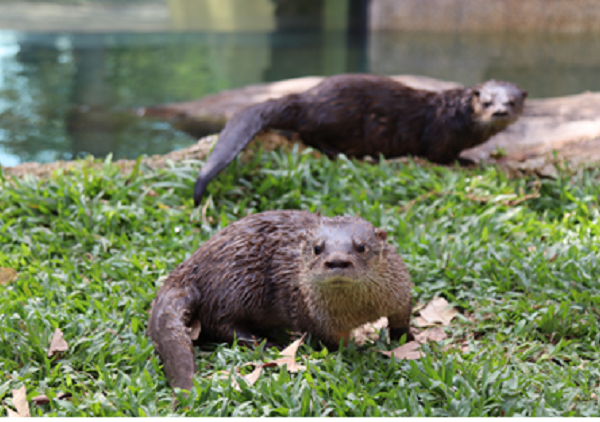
x,y
92,246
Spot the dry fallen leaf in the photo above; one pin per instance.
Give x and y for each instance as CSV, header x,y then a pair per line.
x,y
409,351
253,376
44,399
250,379
20,403
436,311
58,343
292,365
7,275
432,334
225,374
289,358
418,307
369,331
293,348
41,399
11,413
462,346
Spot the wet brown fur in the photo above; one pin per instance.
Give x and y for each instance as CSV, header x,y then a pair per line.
x,y
262,273
374,115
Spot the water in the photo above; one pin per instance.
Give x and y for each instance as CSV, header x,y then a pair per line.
x,y
64,95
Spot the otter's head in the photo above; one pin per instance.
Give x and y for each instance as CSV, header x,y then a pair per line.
x,y
497,103
341,252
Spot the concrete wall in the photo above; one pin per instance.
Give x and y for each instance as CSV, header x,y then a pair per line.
x,y
86,17
182,15
485,15
222,15
548,64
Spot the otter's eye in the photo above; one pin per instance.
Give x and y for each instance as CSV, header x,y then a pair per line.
x,y
487,104
360,248
318,250
511,103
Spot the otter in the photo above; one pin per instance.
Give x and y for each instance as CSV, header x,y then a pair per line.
x,y
280,270
360,114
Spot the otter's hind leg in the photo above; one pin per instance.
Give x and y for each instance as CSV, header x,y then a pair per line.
x,y
400,325
465,162
227,333
167,327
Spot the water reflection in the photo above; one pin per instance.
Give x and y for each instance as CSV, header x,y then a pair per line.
x,y
67,95
63,95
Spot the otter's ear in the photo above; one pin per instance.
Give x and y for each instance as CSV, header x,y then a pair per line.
x,y
476,93
524,93
318,212
381,234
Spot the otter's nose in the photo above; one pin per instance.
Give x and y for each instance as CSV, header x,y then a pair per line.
x,y
338,263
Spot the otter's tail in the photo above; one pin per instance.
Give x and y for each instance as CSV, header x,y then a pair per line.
x,y
280,113
171,336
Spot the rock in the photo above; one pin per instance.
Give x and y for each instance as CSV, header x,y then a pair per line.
x,y
199,151
568,125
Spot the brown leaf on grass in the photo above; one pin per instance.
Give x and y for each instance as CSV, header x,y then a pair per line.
x,y
194,330
289,358
293,348
409,351
44,399
7,275
253,376
58,344
20,403
473,317
462,347
431,334
250,378
418,307
41,399
225,374
436,311
369,331
11,413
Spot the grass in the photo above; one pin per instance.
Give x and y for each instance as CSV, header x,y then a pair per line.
x,y
90,246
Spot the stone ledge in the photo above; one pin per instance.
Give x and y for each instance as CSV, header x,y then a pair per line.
x,y
568,125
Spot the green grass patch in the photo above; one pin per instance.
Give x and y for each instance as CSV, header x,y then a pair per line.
x,y
90,246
